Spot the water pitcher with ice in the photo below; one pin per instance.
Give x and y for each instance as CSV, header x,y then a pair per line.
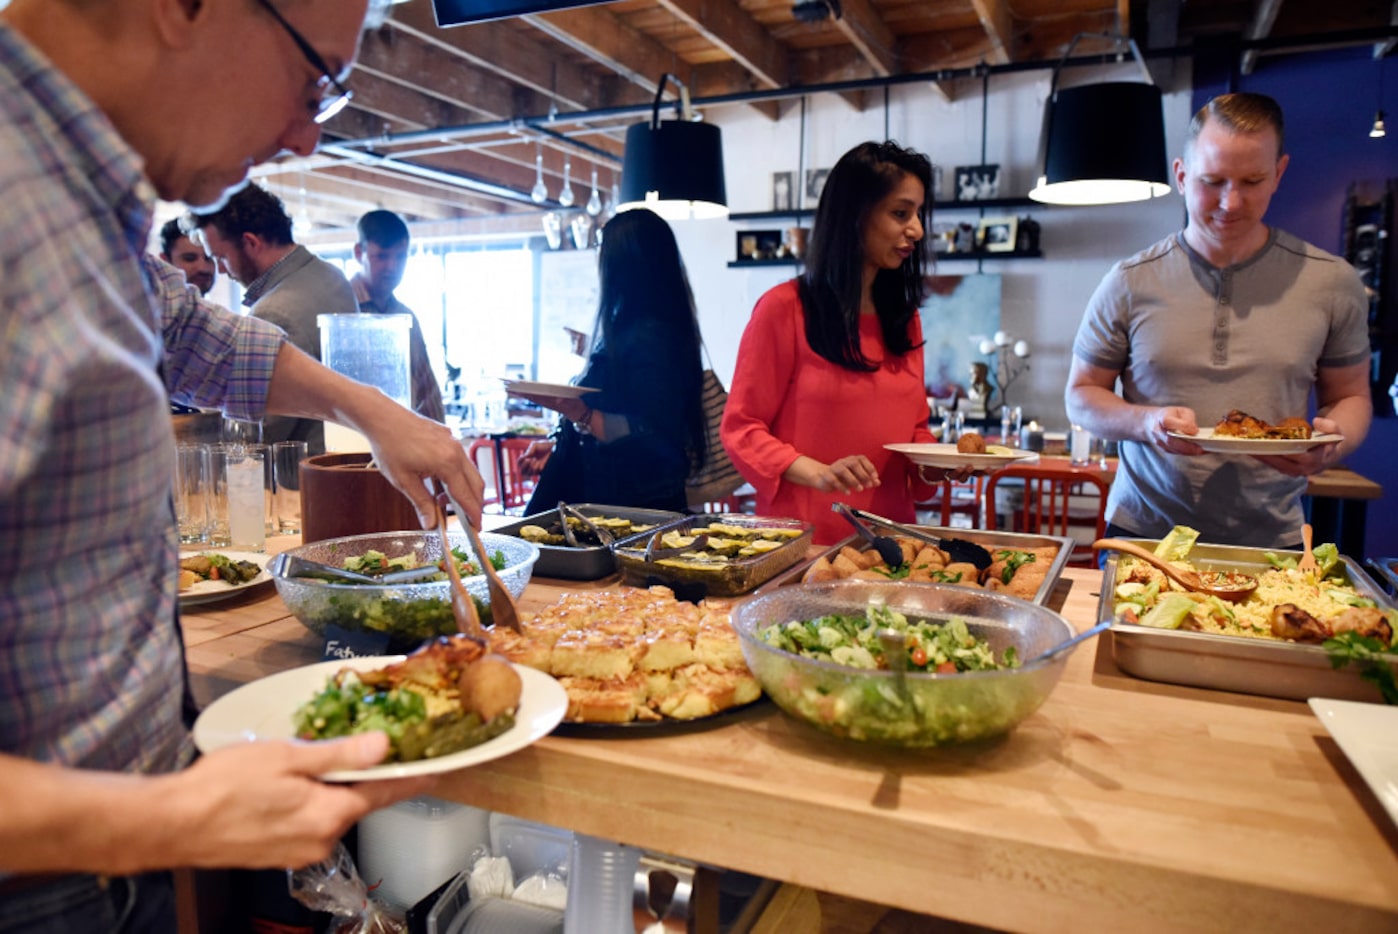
x,y
372,349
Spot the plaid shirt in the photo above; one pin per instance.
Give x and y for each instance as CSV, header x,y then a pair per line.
x,y
90,661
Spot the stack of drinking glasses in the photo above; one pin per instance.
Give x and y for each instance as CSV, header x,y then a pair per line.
x,y
234,494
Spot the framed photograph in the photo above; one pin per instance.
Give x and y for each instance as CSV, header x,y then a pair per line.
x,y
997,234
756,245
977,182
783,191
815,184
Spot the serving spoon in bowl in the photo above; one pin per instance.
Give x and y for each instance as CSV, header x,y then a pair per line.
x,y
1231,587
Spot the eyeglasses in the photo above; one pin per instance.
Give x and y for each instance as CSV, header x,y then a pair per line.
x,y
333,95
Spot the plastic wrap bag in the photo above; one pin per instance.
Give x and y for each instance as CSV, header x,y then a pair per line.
x,y
334,886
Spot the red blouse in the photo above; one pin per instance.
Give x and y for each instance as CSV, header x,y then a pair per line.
x,y
786,401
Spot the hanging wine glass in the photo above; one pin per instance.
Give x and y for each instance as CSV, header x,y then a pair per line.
x,y
540,192
594,201
616,196
553,229
565,197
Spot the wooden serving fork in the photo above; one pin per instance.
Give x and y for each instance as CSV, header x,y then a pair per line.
x,y
463,605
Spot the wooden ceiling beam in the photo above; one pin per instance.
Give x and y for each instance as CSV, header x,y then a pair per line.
x,y
510,53
999,29
729,27
865,29
1264,17
605,39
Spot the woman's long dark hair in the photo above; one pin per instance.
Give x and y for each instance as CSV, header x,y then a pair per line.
x,y
643,283
831,286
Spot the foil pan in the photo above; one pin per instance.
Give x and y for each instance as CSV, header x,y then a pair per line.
x,y
989,540
586,563
730,578
1240,664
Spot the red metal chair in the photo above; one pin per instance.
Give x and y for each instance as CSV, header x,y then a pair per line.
x,y
516,487
1055,501
482,454
955,498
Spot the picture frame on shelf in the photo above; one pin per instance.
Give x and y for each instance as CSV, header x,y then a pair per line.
x,y
977,182
758,245
815,184
783,191
997,234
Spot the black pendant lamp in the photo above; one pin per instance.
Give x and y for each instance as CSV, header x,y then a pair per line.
x,y
1102,143
674,167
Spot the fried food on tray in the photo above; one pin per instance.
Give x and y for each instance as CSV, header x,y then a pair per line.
x,y
1018,572
1239,424
635,654
449,695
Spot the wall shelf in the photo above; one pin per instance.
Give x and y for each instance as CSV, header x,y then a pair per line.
x,y
986,204
936,257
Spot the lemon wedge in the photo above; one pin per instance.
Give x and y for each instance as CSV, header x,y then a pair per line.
x,y
999,450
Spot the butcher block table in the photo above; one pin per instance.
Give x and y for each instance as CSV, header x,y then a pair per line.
x,y
1121,805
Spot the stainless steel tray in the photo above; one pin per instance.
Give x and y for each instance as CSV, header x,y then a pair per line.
x,y
731,578
1234,663
590,563
1387,571
987,539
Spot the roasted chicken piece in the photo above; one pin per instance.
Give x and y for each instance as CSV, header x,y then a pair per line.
x,y
1289,621
1239,424
1367,621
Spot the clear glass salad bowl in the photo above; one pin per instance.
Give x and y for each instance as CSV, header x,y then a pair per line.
x,y
933,709
410,612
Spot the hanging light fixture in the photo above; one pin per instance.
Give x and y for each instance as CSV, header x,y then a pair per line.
x,y
674,167
1102,143
1378,130
594,200
565,197
540,192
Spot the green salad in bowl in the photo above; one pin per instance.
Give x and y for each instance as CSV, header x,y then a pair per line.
x,y
407,612
816,650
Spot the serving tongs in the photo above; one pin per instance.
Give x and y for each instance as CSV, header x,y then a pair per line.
x,y
288,565
958,549
655,553
565,511
463,605
889,550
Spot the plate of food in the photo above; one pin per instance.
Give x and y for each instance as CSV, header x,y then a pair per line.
x,y
209,576
952,456
1241,433
1210,440
447,706
1368,735
525,387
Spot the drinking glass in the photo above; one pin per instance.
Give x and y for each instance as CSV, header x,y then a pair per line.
x,y
245,486
192,490
1010,418
236,431
953,421
217,499
286,472
1079,446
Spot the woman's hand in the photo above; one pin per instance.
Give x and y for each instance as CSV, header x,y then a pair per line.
x,y
570,408
850,474
532,461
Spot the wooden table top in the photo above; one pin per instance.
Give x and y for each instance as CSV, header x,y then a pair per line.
x,y
1333,482
1121,804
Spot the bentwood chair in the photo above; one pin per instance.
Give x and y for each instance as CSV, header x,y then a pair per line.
x,y
1066,501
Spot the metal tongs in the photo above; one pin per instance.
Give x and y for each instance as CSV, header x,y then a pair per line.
x,y
958,549
287,565
654,553
605,537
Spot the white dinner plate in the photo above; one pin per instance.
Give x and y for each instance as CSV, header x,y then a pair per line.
x,y
264,710
1368,734
948,457
213,591
522,387
1226,444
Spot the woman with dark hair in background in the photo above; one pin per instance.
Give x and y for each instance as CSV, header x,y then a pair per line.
x,y
634,441
830,368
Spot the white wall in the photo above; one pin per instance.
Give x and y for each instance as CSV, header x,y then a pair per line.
x,y
1042,300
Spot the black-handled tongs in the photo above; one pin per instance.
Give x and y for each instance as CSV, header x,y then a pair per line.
x,y
958,549
604,537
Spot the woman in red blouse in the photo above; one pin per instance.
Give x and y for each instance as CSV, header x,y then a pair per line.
x,y
830,368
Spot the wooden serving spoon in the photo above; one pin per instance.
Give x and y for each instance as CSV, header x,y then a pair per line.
x,y
463,606
1307,562
1237,588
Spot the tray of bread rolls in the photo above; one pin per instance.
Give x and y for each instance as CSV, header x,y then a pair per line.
x,y
1024,566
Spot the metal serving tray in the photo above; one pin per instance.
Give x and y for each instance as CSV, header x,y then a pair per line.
x,y
986,539
1234,663
590,563
728,579
1387,571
